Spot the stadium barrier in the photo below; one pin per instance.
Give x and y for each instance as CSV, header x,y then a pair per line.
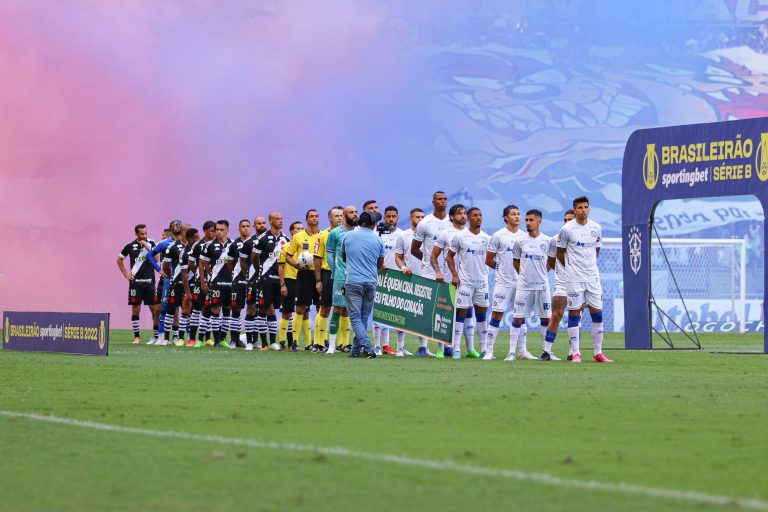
x,y
69,333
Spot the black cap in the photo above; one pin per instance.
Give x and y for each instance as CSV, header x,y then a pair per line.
x,y
369,218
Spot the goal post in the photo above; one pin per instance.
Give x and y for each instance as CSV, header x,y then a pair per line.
x,y
711,274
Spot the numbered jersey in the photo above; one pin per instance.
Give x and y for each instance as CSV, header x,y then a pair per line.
x,y
390,244
427,232
177,257
141,269
532,253
215,253
501,244
580,242
269,248
470,249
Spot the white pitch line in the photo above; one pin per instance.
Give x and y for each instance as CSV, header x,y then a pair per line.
x,y
403,460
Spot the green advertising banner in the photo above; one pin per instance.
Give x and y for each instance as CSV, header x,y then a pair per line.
x,y
415,305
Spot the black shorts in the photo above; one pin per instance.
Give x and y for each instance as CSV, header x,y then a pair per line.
x,y
219,295
269,294
139,293
240,291
288,303
326,298
306,291
198,297
176,295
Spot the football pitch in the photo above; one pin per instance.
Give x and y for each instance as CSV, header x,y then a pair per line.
x,y
152,428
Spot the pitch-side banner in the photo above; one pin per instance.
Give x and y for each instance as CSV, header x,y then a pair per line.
x,y
70,333
683,162
415,305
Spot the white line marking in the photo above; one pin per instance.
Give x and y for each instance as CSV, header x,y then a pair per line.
x,y
339,451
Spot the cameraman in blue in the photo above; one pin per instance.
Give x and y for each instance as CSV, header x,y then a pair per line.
x,y
363,251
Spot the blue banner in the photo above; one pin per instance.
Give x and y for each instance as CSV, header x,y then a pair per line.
x,y
681,162
69,333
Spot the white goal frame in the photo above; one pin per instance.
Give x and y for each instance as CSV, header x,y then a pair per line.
x,y
740,243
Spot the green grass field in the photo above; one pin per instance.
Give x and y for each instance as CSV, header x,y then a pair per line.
x,y
472,434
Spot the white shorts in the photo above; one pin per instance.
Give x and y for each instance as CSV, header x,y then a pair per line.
x,y
561,288
503,295
468,295
587,291
527,301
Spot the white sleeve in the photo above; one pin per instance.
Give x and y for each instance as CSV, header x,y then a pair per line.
x,y
493,245
516,250
599,243
455,244
562,238
552,247
400,245
440,242
420,232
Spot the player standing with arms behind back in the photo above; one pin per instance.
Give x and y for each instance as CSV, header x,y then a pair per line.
x,y
578,245
530,260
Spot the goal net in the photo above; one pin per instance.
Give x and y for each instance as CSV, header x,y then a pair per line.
x,y
709,275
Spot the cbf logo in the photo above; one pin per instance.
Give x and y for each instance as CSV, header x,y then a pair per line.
x,y
635,254
650,166
761,157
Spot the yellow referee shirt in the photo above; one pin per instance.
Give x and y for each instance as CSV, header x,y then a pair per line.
x,y
303,242
319,250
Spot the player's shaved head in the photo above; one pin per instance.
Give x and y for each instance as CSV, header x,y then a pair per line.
x,y
350,216
276,222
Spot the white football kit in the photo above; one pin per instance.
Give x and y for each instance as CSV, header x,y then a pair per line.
x,y
532,280
505,277
582,277
470,251
390,243
560,285
403,248
427,232
444,242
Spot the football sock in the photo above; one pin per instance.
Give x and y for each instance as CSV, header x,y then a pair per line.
x,y
136,325
205,323
283,330
344,326
183,323
385,335
272,328
458,330
321,326
543,332
423,342
289,334
549,340
514,333
261,328
469,329
376,335
296,328
597,332
155,331
522,338
226,318
400,340
490,338
250,327
306,330
333,329
573,333
194,324
216,327
482,332
168,324
234,327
